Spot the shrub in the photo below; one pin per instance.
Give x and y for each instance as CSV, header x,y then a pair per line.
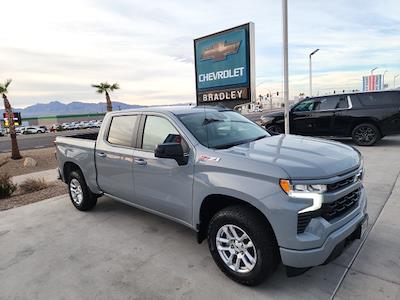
x,y
7,187
33,185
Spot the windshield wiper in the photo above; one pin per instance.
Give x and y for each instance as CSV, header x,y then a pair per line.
x,y
230,145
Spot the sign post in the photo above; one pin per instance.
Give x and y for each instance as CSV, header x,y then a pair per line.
x,y
225,67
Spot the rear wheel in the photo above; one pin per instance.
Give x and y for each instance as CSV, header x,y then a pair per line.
x,y
81,197
366,134
242,245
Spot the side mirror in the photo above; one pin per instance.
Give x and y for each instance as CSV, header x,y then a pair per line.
x,y
172,151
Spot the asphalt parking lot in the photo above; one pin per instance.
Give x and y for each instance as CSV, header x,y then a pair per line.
x,y
37,141
49,250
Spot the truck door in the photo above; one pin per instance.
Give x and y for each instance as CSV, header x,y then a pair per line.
x,y
114,157
161,184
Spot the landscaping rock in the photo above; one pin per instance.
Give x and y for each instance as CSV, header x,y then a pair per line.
x,y
29,162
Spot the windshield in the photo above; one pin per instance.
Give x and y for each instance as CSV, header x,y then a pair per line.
x,y
222,129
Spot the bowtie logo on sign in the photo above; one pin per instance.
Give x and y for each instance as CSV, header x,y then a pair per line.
x,y
224,63
220,51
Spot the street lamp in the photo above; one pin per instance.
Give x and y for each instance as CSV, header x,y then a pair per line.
x,y
394,80
383,79
311,54
285,62
372,71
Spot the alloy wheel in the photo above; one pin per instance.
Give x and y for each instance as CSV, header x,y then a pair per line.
x,y
76,191
236,249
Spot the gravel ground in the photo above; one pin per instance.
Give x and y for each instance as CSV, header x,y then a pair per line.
x,y
45,160
54,189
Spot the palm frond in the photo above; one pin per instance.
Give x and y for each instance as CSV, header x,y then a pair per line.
x,y
100,91
115,86
8,81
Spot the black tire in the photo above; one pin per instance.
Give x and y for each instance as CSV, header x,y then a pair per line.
x,y
89,199
259,232
274,129
366,134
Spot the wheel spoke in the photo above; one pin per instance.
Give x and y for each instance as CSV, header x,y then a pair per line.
x,y
222,240
237,264
249,245
228,234
234,233
247,263
221,248
248,255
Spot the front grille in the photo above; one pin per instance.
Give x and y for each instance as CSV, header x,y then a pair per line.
x,y
339,207
329,211
340,184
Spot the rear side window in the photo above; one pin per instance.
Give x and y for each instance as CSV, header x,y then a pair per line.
x,y
123,130
378,99
326,103
343,103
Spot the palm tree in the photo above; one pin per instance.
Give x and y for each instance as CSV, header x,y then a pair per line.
x,y
105,87
7,107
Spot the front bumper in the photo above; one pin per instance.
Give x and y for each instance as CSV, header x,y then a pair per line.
x,y
318,256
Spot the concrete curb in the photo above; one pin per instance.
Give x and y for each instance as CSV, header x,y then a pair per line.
x,y
47,175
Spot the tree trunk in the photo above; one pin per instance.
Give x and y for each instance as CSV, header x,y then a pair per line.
x,y
14,145
109,104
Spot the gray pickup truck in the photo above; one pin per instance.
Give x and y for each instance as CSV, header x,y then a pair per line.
x,y
258,199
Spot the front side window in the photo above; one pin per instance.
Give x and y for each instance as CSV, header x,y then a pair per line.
x,y
123,130
306,105
159,130
221,129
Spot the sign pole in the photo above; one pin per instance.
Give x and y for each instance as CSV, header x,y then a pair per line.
x,y
285,64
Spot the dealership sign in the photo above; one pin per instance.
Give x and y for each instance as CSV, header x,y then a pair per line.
x,y
224,65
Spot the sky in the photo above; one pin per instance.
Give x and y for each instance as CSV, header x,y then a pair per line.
x,y
54,50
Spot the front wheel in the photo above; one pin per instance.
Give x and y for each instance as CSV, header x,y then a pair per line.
x,y
274,129
366,134
243,245
81,197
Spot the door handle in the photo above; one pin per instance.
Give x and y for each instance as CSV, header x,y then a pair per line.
x,y
140,161
101,154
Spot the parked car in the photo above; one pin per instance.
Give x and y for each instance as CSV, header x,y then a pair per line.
x,y
19,129
366,117
258,199
44,128
33,130
2,132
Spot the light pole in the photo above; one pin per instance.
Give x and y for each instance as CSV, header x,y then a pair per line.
x,y
311,54
394,80
383,79
285,63
372,71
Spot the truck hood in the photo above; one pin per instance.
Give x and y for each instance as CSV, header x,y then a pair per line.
x,y
301,157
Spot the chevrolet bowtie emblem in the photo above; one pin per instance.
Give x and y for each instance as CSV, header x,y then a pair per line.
x,y
219,51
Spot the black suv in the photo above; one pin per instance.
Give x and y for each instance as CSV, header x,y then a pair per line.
x,y
366,117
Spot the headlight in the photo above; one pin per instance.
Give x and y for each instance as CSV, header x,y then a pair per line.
x,y
306,188
266,120
305,191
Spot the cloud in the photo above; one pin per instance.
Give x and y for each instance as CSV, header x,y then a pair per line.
x,y
54,50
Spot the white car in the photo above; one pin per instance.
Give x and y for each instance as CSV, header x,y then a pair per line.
x,y
33,130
